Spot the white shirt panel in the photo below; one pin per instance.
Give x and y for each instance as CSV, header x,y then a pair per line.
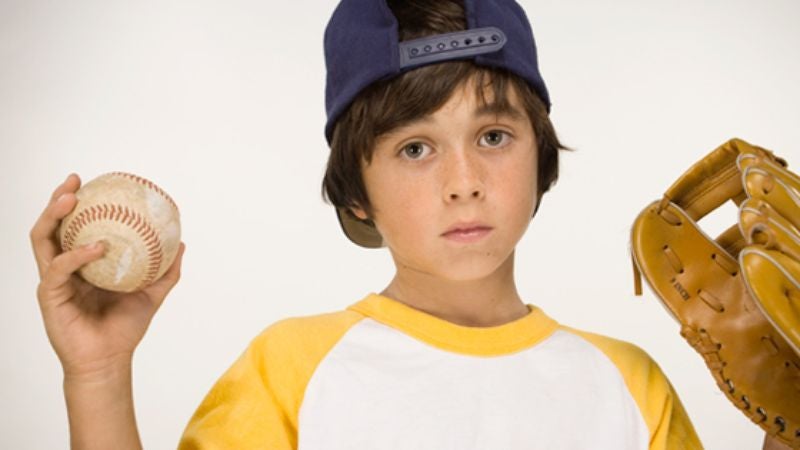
x,y
381,389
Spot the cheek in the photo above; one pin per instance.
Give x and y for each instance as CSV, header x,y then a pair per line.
x,y
401,208
518,188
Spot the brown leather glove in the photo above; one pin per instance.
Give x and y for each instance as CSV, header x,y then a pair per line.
x,y
737,297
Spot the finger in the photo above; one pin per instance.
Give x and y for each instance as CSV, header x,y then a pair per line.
x,y
173,274
159,290
70,184
62,267
42,235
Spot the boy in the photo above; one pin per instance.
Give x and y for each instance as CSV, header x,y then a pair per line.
x,y
442,155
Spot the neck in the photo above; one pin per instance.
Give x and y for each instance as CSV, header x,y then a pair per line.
x,y
485,302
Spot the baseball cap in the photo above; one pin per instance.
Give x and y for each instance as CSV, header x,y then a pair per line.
x,y
362,46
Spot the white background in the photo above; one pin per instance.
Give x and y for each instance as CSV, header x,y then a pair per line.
x,y
221,103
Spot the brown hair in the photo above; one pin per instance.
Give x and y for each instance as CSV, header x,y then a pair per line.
x,y
389,104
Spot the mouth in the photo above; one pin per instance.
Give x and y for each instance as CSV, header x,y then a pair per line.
x,y
467,232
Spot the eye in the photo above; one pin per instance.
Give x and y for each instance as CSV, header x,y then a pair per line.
x,y
413,150
495,138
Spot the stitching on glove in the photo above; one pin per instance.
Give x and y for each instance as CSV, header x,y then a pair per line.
x,y
710,300
673,259
669,217
778,425
761,416
726,264
769,345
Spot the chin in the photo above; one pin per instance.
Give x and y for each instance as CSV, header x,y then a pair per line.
x,y
476,266
471,262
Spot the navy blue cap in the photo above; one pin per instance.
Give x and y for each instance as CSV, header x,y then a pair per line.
x,y
362,46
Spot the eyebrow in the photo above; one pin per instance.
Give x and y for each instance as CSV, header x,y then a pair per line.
x,y
492,109
487,109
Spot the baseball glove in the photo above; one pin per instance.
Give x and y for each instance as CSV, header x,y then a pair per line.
x,y
736,297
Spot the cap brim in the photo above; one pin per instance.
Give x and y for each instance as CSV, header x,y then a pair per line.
x,y
359,231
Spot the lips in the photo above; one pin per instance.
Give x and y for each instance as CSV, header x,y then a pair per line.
x,y
467,232
467,228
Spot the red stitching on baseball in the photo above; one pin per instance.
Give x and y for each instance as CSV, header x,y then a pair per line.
x,y
119,213
145,182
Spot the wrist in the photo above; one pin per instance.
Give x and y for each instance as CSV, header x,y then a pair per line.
x,y
100,371
99,399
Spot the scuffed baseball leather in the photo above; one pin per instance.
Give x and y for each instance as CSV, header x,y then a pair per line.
x,y
736,296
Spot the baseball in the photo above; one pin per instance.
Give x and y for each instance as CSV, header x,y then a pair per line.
x,y
138,223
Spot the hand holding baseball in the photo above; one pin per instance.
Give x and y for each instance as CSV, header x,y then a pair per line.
x,y
137,222
90,328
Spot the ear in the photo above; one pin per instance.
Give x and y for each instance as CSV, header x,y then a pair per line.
x,y
358,212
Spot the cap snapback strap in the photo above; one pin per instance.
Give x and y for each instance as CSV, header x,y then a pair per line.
x,y
447,46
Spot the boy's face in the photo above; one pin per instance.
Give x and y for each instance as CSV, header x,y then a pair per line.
x,y
455,165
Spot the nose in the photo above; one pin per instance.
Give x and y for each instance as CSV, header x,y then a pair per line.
x,y
463,176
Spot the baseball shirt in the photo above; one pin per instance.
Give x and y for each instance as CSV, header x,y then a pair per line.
x,y
381,375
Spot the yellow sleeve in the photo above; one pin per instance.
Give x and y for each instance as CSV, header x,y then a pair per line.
x,y
241,410
255,403
667,421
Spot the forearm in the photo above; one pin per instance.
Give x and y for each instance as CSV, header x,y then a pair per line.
x,y
100,409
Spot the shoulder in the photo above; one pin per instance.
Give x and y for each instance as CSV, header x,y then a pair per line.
x,y
286,353
255,403
627,356
642,375
658,402
306,334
